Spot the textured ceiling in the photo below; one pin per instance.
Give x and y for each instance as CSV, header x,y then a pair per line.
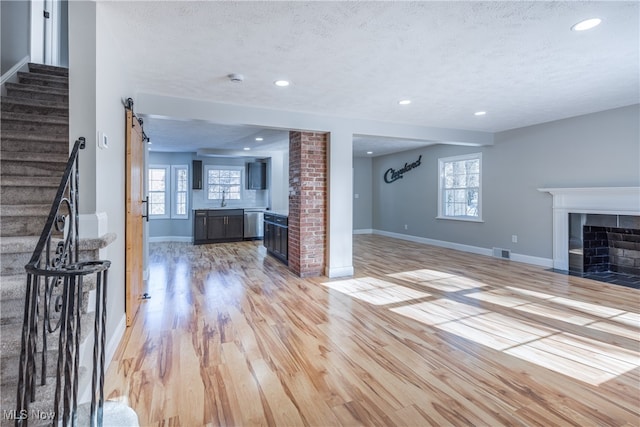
x,y
518,61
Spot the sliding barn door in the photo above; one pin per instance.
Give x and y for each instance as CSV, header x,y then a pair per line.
x,y
133,229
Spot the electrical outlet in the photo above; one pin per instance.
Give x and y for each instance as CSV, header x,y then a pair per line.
x,y
514,238
406,226
357,196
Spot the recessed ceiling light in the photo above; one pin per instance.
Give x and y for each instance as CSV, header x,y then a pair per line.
x,y
259,139
281,83
404,102
587,24
246,148
369,152
479,113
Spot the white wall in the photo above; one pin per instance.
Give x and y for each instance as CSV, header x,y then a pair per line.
x,y
595,150
97,87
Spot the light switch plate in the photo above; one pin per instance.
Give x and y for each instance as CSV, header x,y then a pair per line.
x,y
103,140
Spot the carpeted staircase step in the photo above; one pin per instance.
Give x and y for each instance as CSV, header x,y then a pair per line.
x,y
13,286
48,69
30,142
13,309
41,157
32,123
39,79
12,336
42,93
45,398
32,168
11,104
9,366
15,253
23,220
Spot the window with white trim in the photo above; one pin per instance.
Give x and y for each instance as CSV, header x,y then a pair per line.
x,y
460,187
168,188
158,191
224,180
179,191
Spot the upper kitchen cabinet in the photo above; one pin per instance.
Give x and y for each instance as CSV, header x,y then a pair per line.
x,y
197,175
256,176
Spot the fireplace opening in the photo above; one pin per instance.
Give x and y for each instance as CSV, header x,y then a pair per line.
x,y
605,247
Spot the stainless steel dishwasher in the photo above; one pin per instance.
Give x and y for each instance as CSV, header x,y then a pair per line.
x,y
253,223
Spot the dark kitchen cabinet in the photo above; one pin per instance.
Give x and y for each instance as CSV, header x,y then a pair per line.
x,y
221,225
200,227
196,182
276,236
257,176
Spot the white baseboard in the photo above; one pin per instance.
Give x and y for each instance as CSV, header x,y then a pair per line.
x,y
115,339
527,259
534,260
184,239
339,272
363,231
84,387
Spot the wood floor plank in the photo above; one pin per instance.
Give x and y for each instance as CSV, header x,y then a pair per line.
x,y
419,336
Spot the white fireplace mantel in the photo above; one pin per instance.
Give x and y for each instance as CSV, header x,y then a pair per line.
x,y
594,200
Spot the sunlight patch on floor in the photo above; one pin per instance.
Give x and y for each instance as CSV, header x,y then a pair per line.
x,y
375,291
611,316
528,292
445,282
629,319
582,358
587,360
499,297
438,311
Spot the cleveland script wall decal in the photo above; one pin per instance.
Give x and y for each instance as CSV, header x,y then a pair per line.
x,y
393,175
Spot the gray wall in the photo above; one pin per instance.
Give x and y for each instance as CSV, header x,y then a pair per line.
x,y
362,186
595,150
16,17
172,227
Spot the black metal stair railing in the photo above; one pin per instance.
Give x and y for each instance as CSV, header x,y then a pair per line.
x,y
53,310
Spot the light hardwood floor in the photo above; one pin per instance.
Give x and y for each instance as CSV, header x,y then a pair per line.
x,y
419,336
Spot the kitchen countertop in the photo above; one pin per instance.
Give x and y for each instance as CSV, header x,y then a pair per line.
x,y
281,213
246,209
218,208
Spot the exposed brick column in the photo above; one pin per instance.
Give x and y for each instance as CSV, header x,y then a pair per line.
x,y
307,202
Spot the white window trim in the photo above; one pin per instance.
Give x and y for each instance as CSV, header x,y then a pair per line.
x,y
174,192
207,168
167,191
441,162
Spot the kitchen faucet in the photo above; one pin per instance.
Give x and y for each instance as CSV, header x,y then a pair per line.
x,y
223,203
